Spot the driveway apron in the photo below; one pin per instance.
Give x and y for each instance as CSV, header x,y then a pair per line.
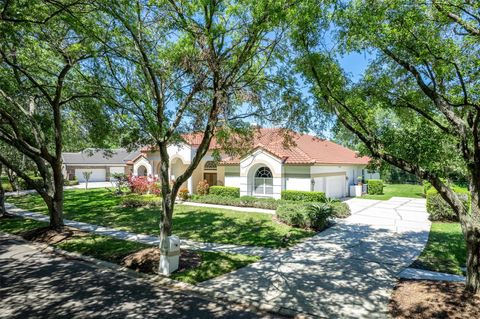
x,y
346,271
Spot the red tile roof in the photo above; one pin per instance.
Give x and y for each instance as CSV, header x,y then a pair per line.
x,y
291,148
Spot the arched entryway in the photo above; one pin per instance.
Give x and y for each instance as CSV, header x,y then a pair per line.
x,y
142,171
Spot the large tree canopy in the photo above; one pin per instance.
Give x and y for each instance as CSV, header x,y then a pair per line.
x,y
417,106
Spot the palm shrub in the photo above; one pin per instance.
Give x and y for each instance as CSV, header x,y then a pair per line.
x,y
317,215
305,215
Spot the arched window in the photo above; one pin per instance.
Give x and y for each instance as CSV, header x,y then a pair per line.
x,y
263,181
210,166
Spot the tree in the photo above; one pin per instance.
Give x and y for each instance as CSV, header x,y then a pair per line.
x,y
43,73
86,176
3,211
188,66
417,106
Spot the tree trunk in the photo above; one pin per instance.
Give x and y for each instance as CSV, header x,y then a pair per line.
x,y
3,211
473,258
54,200
12,179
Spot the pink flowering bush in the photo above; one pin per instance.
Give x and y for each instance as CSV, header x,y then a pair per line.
x,y
143,185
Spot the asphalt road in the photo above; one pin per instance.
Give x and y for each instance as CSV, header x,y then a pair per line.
x,y
37,284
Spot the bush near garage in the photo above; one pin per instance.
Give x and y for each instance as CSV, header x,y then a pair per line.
x,y
340,209
244,201
303,196
305,215
375,187
225,191
136,201
438,208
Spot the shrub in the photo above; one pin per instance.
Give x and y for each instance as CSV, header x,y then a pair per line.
x,y
303,196
317,215
225,191
291,214
340,209
135,201
143,185
426,187
439,209
183,194
203,188
70,183
244,201
375,187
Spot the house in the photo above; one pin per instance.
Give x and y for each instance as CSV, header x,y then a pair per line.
x,y
102,164
276,160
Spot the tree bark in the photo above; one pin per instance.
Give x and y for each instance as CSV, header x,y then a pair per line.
x,y
12,179
3,211
472,235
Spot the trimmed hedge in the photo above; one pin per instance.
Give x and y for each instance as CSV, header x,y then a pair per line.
x,y
225,191
303,196
244,201
375,187
135,201
305,215
439,210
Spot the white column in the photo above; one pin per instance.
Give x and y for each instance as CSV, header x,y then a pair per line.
x,y
190,185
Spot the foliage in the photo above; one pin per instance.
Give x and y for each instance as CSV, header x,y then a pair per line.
x,y
305,215
203,187
445,251
135,200
119,180
23,185
244,201
375,187
99,207
340,209
303,196
439,210
143,185
70,183
183,194
225,191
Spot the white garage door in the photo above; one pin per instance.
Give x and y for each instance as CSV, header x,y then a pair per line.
x,y
98,174
335,186
116,170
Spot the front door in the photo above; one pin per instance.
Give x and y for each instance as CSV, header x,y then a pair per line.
x,y
211,178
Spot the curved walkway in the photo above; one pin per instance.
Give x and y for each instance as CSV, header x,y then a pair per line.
x,y
347,271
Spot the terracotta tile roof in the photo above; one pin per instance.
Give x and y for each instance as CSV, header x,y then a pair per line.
x,y
291,148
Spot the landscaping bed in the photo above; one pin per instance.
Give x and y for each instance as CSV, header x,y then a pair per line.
x,y
432,299
102,207
195,266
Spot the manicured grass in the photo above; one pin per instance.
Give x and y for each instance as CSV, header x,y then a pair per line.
x,y
445,251
213,265
114,250
397,190
100,207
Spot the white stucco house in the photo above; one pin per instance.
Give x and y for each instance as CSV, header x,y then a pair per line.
x,y
307,163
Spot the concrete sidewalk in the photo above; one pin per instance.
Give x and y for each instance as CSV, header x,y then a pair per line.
x,y
35,284
146,239
347,271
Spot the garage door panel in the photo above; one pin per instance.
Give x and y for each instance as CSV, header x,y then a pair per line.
x,y
98,174
335,186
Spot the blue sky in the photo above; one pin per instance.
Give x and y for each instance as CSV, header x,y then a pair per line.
x,y
355,64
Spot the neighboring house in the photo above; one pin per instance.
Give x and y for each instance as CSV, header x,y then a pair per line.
x,y
307,163
102,164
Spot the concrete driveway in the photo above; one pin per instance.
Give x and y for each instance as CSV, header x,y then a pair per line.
x,y
35,284
347,271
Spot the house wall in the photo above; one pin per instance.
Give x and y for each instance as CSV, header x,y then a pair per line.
x,y
321,175
69,170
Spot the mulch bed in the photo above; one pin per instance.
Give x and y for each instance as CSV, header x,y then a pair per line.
x,y
433,299
49,236
147,260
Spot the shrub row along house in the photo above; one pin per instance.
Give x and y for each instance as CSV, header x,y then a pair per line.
x,y
277,160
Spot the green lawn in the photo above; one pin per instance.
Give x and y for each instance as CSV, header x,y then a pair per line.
x,y
114,250
100,207
445,251
398,190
